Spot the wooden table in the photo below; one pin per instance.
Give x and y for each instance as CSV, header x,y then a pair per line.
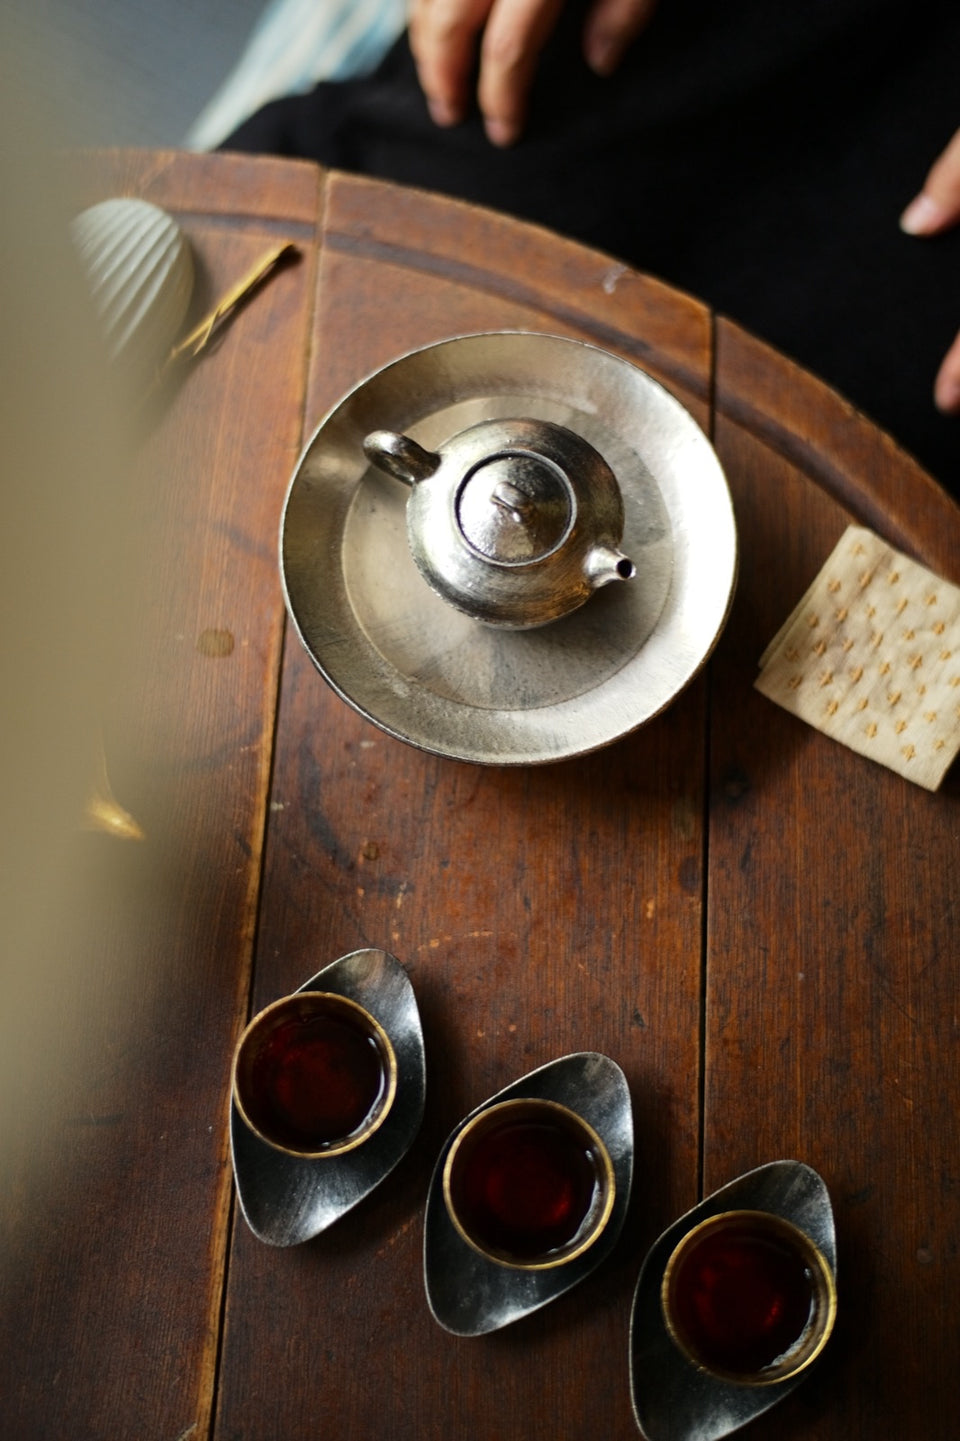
x,y
758,925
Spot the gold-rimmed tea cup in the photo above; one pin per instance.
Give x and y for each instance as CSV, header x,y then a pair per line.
x,y
748,1298
314,1074
528,1184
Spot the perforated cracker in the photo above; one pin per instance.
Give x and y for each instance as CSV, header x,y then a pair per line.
x,y
871,657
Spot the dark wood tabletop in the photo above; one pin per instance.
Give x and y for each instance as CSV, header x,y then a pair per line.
x,y
756,924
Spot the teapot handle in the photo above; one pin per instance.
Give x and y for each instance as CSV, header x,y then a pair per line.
x,y
400,456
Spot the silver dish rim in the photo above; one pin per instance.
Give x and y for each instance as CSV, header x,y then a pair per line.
x,y
652,671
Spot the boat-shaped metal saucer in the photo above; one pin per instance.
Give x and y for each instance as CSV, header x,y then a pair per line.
x,y
286,1199
674,1400
450,580
470,1294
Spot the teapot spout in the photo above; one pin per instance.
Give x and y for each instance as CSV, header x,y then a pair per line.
x,y
605,564
400,456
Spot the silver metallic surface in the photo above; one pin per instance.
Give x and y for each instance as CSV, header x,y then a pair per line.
x,y
286,1199
673,1400
400,456
470,1295
515,522
437,678
515,508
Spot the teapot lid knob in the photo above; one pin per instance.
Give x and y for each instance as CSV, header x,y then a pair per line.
x,y
515,507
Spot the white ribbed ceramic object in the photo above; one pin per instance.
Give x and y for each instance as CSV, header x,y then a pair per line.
x,y
139,268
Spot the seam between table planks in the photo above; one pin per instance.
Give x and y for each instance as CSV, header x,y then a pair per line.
x,y
705,815
226,1207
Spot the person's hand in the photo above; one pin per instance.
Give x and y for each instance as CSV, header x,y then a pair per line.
x,y
937,208
445,35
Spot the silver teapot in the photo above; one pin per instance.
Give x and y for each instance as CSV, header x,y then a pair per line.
x,y
514,522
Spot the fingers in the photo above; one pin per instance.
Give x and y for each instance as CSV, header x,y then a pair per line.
x,y
443,39
937,207
610,27
445,36
946,391
516,32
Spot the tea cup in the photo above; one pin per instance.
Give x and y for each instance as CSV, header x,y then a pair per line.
x,y
748,1297
528,1184
314,1074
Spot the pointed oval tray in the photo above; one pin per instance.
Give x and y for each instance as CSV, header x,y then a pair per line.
x,y
470,1295
288,1199
672,1399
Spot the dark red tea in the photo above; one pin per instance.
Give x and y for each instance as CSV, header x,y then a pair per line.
x,y
742,1296
315,1080
524,1187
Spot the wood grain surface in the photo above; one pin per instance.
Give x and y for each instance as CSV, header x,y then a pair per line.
x,y
755,923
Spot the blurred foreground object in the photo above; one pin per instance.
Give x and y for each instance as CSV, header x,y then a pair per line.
x,y
139,266
103,812
65,553
139,270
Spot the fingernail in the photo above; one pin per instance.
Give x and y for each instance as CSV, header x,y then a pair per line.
x,y
922,216
501,132
602,54
946,394
443,113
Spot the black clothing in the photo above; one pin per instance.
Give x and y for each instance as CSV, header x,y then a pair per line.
x,y
757,155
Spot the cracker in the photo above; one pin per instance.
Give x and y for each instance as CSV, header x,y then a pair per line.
x,y
871,657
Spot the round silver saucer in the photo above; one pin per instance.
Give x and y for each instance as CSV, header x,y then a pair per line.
x,y
446,683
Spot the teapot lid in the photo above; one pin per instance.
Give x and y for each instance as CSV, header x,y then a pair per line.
x,y
515,506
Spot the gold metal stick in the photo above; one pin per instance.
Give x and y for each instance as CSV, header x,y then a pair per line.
x,y
202,334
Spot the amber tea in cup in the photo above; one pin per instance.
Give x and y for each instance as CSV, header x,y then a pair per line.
x,y
314,1074
528,1183
749,1297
